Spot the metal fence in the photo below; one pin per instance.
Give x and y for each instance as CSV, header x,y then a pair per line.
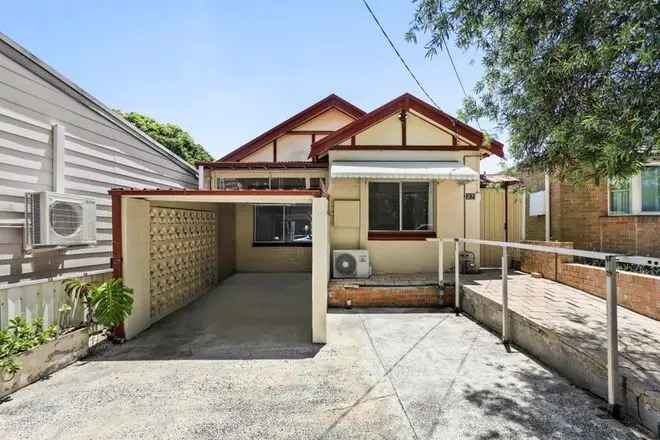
x,y
610,262
42,299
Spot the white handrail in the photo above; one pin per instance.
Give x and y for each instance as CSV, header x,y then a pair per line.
x,y
530,247
611,308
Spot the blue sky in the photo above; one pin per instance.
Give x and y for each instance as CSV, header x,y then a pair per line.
x,y
227,71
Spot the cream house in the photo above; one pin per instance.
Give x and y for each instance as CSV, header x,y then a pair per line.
x,y
393,177
331,177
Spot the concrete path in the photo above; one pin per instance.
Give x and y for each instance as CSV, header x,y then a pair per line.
x,y
580,321
391,375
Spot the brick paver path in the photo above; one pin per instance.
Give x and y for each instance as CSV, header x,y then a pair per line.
x,y
580,318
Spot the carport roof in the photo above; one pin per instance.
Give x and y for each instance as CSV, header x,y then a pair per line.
x,y
197,192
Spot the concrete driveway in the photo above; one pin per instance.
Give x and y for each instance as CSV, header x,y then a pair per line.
x,y
384,374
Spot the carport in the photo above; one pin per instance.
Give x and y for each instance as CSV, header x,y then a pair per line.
x,y
173,246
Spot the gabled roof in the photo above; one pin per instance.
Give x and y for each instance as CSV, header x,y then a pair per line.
x,y
404,102
29,61
327,103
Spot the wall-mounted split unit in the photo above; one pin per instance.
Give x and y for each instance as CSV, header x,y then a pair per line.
x,y
351,264
54,219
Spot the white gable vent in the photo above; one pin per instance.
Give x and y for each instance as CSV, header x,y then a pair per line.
x,y
54,219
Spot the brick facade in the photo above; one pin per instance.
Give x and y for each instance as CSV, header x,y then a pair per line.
x,y
637,292
384,296
579,214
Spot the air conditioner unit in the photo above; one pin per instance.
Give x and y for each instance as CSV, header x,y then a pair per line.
x,y
350,264
55,219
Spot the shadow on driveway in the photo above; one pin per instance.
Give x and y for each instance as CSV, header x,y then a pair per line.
x,y
248,316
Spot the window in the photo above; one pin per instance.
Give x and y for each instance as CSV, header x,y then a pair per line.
x,y
283,224
316,183
228,183
638,195
287,183
651,189
400,206
620,196
243,183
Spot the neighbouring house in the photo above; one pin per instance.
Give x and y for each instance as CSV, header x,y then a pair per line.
x,y
65,150
329,178
621,217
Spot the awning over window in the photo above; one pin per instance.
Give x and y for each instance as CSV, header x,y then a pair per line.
x,y
403,170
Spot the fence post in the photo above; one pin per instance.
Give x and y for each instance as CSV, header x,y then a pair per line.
x,y
612,337
441,269
505,297
457,284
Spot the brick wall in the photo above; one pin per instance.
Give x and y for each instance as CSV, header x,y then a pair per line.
x,y
548,265
579,214
637,292
384,296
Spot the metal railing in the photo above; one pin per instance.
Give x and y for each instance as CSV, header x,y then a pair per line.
x,y
611,287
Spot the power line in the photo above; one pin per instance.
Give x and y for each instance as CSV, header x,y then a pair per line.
x,y
458,77
396,51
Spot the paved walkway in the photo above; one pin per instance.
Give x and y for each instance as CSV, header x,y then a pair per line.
x,y
580,318
383,375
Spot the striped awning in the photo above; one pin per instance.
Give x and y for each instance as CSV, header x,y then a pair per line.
x,y
403,170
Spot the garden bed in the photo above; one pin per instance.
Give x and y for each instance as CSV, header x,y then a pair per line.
x,y
46,359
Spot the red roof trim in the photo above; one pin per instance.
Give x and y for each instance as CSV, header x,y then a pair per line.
x,y
331,101
262,165
404,102
215,192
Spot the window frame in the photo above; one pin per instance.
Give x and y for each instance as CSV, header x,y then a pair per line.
x,y
220,181
383,233
635,196
283,243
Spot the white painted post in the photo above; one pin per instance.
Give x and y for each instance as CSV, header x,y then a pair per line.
x,y
505,297
547,207
457,281
320,269
200,177
441,269
612,336
58,157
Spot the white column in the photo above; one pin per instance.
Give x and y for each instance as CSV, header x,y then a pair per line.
x,y
441,266
547,207
58,157
136,224
200,177
320,268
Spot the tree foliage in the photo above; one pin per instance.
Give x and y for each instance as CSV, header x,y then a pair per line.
x,y
576,82
176,139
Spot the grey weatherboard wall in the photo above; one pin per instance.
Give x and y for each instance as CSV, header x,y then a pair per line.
x,y
101,151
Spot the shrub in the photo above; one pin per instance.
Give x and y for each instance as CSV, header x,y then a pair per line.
x,y
107,303
20,337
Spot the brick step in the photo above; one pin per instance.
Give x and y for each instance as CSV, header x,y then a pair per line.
x,y
340,293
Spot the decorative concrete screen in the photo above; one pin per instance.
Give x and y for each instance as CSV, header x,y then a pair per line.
x,y
183,257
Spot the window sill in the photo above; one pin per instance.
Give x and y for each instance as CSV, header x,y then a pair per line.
x,y
401,235
636,214
294,244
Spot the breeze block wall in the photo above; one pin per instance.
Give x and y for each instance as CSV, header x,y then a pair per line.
x,y
637,292
183,257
